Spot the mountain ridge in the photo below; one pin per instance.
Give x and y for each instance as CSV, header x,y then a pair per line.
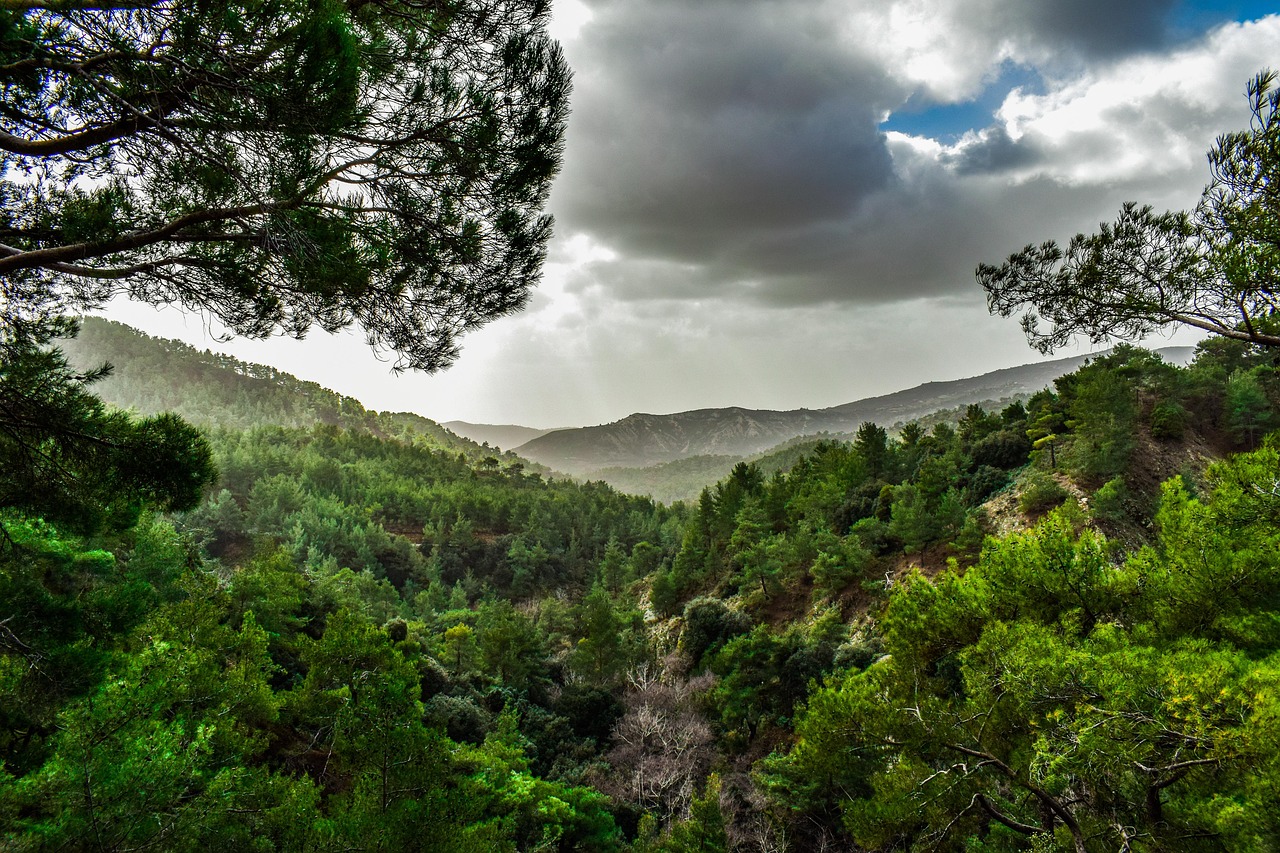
x,y
503,436
213,390
642,439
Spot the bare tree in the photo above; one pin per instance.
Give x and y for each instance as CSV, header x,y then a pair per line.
x,y
662,746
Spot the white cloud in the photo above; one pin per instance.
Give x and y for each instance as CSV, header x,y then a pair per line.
x,y
1145,117
568,17
926,46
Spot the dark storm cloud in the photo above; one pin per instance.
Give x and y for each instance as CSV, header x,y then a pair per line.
x,y
993,151
1096,29
733,149
695,125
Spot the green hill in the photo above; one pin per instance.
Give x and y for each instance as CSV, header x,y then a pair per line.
x,y
152,375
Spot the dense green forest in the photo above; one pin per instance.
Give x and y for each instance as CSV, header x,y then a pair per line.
x,y
356,639
368,638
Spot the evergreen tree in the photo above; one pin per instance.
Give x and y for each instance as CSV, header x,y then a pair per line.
x,y
222,142
66,457
1211,268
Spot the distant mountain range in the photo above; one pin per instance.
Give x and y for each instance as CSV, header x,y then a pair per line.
x,y
505,436
643,440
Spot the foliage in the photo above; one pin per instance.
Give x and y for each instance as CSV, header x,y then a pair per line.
x,y
1103,412
679,480
709,624
822,524
916,520
1249,412
611,642
154,375
764,675
1168,421
703,831
368,637
1108,503
312,681
840,565
65,456
282,164
1049,697
353,497
1040,494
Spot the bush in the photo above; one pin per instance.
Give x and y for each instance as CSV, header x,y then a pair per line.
x,y
834,570
708,624
983,483
1041,494
861,650
462,719
1109,501
664,595
591,711
1168,421
860,503
973,533
874,535
1007,448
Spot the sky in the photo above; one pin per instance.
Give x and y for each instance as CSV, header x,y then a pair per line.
x,y
779,204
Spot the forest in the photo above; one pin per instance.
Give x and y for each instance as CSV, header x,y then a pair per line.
x,y
239,611
1052,626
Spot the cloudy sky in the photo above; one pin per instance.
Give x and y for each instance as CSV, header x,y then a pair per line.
x,y
780,203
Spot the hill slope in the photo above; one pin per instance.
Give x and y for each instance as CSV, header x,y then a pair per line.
x,y
153,375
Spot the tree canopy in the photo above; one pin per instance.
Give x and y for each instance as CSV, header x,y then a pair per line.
x,y
1214,268
281,164
68,458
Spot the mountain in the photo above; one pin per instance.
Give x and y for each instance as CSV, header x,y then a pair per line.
x,y
504,436
640,440
684,479
153,375
643,440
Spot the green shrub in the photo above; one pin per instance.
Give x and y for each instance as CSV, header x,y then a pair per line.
x,y
1109,501
1041,494
874,535
973,533
983,483
708,624
1168,421
859,652
1007,448
664,595
834,570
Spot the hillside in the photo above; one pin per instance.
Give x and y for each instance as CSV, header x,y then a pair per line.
x,y
860,618
643,440
684,479
341,590
152,375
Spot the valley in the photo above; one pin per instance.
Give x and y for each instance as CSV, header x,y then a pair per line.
x,y
544,626
1035,610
